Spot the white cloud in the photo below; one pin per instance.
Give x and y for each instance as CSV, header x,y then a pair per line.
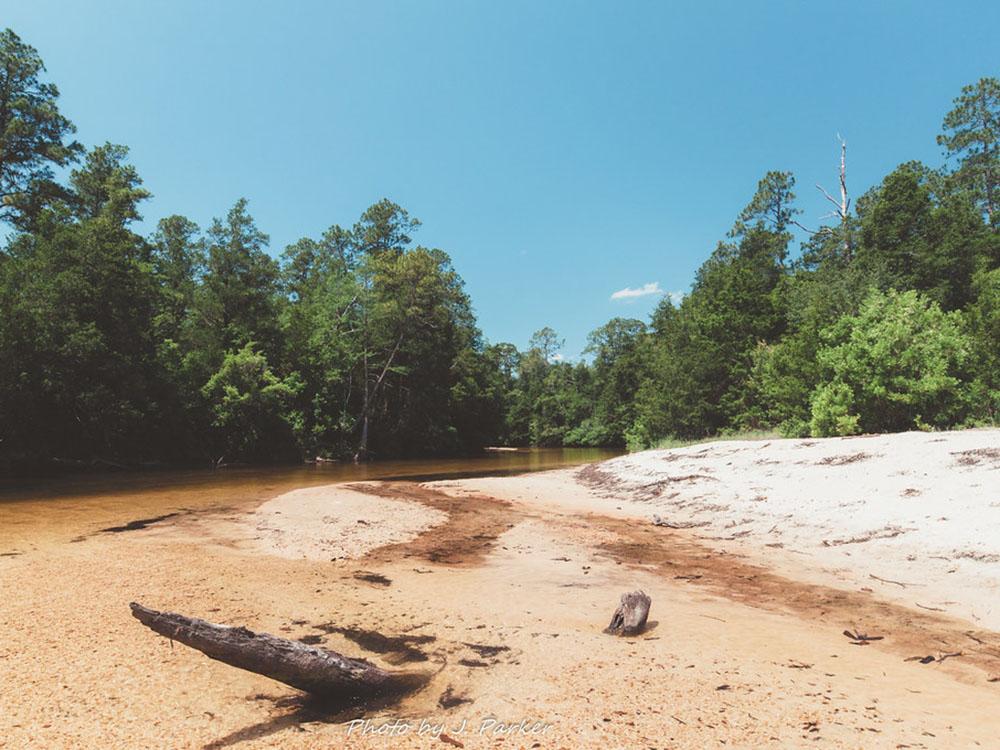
x,y
676,297
628,293
557,357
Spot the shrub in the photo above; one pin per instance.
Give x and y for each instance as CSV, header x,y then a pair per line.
x,y
250,407
898,364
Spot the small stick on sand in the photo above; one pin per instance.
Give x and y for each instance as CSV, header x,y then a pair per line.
x,y
889,580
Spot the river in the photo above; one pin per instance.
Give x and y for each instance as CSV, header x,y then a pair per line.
x,y
60,509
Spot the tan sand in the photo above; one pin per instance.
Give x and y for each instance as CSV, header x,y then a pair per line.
x,y
509,589
914,516
324,523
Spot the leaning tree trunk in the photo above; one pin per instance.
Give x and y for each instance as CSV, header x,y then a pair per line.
x,y
630,617
318,671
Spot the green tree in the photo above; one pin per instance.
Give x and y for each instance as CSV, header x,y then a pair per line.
x,y
785,372
78,302
33,133
972,135
984,324
772,206
477,400
107,185
616,374
899,364
319,324
419,320
677,395
911,241
236,301
178,262
249,405
384,227
699,358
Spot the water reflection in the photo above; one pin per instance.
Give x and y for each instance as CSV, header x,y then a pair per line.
x,y
31,510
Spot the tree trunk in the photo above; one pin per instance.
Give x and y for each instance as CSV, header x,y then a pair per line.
x,y
845,203
362,455
630,617
322,673
843,211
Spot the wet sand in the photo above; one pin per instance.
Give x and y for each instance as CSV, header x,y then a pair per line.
x,y
499,588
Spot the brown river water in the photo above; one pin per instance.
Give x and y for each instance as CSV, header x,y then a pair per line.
x,y
36,512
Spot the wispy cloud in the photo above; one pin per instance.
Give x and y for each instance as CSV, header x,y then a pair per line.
x,y
628,293
676,297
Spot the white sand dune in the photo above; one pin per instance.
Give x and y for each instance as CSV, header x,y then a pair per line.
x,y
919,510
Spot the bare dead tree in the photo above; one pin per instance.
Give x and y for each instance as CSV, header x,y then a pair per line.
x,y
843,206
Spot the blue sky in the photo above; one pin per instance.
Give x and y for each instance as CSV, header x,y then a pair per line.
x,y
559,151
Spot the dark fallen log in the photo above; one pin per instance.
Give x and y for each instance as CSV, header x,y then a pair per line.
x,y
325,674
630,617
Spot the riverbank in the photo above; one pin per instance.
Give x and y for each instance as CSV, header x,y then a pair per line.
x,y
500,587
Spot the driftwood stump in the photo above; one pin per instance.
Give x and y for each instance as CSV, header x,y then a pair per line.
x,y
630,617
325,674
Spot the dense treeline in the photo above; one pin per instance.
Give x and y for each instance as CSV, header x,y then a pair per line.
x,y
886,320
194,345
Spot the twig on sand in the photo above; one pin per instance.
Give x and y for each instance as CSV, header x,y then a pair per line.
x,y
657,521
932,609
889,580
860,639
886,532
930,659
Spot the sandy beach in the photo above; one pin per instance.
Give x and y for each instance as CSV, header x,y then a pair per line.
x,y
763,554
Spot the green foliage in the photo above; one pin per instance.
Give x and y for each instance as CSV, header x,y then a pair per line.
x,y
744,435
249,406
984,324
617,371
236,301
910,240
898,364
832,404
417,321
177,258
972,134
785,372
699,359
192,345
772,206
33,134
77,304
